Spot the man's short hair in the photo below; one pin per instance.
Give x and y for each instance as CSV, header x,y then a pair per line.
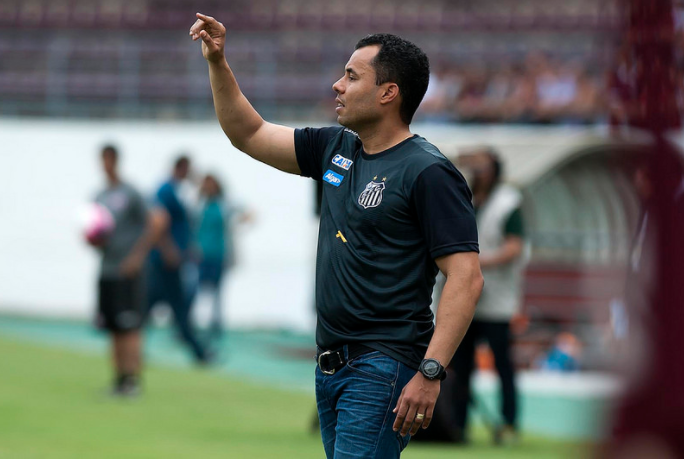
x,y
400,61
110,149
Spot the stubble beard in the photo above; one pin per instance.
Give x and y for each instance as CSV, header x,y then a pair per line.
x,y
362,120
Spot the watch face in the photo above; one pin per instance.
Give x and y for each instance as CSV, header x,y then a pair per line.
x,y
431,368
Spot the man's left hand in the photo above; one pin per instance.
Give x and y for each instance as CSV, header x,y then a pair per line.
x,y
418,398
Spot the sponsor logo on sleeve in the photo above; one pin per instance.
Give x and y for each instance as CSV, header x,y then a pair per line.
x,y
342,162
333,178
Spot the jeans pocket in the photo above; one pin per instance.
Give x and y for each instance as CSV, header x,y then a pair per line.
x,y
375,365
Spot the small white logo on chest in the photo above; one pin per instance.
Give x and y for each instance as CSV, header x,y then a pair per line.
x,y
371,196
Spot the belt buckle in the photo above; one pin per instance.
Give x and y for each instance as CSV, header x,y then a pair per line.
x,y
327,372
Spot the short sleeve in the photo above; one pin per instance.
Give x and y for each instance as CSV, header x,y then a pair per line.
x,y
138,204
164,196
515,225
310,145
442,202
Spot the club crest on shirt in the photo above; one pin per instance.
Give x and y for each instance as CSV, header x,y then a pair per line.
x,y
342,162
371,196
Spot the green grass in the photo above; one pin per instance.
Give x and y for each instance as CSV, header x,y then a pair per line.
x,y
53,405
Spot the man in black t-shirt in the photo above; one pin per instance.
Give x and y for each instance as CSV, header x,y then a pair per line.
x,y
394,210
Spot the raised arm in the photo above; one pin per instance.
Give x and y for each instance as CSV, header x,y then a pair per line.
x,y
266,142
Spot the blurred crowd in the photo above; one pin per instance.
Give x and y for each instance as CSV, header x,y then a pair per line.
x,y
539,89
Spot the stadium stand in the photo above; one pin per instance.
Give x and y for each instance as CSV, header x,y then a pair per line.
x,y
54,55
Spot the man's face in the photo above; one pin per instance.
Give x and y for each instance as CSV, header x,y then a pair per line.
x,y
182,170
109,164
209,187
482,169
358,97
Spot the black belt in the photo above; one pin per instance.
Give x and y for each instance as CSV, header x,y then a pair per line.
x,y
331,361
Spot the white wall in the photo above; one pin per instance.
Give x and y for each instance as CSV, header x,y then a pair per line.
x,y
51,169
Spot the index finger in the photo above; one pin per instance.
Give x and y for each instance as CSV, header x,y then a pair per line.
x,y
205,18
197,27
203,21
401,410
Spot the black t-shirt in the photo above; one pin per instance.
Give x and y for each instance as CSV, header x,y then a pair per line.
x,y
384,219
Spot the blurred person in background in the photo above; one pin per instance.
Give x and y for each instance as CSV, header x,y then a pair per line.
x,y
501,238
622,95
171,261
518,106
215,243
471,101
556,90
121,284
500,88
539,89
443,89
566,94
387,200
564,356
585,108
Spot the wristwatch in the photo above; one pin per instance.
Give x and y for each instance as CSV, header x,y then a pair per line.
x,y
432,369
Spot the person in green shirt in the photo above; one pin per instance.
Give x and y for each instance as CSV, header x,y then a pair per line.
x,y
214,243
501,238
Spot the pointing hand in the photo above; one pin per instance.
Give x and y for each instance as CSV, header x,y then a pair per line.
x,y
213,35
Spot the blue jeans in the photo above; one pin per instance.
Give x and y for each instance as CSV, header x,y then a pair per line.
x,y
210,275
166,285
355,407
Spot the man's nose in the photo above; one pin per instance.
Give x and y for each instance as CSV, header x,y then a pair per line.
x,y
337,86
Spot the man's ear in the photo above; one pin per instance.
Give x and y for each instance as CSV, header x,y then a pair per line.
x,y
390,92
